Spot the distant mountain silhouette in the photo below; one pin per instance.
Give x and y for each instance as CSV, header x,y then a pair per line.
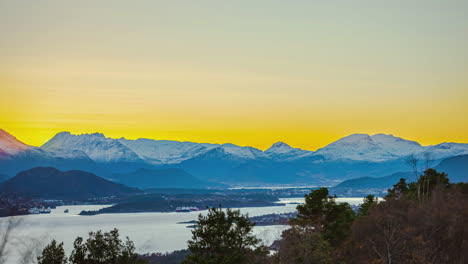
x,y
377,183
3,177
456,168
161,178
50,183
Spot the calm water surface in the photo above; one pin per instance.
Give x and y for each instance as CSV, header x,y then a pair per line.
x,y
151,232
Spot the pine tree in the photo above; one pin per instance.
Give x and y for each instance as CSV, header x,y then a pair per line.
x,y
223,237
53,254
321,212
369,201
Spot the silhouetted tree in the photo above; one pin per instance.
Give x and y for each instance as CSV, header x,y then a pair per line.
x,y
398,191
224,237
369,202
53,254
412,162
104,248
321,212
407,230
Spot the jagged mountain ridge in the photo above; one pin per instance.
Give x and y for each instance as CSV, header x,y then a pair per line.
x,y
98,147
356,147
352,156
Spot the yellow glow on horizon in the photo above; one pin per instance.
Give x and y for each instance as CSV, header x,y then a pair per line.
x,y
306,74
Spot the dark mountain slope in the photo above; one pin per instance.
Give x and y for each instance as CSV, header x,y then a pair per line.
x,y
378,183
456,168
50,183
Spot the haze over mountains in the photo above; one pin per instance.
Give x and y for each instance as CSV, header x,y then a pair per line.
x,y
357,155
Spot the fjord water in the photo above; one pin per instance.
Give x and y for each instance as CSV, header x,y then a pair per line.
x,y
151,232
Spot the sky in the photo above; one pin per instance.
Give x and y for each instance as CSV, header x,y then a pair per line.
x,y
245,72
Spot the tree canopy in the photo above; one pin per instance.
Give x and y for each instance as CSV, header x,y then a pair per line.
x,y
321,211
223,236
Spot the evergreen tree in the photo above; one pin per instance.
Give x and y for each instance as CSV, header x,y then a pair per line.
x,y
322,212
369,201
104,248
398,191
53,254
303,245
224,237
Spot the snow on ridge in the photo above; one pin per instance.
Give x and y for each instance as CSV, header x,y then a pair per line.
x,y
444,150
10,145
355,147
96,146
166,151
243,152
283,151
363,147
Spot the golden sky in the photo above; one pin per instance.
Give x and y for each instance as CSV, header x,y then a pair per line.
x,y
246,72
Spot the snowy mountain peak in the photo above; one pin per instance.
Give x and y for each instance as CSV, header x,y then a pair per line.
x,y
282,151
354,138
242,152
389,139
444,150
279,147
355,147
96,146
363,147
166,151
9,145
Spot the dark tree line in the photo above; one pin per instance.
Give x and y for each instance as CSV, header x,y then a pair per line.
x,y
99,248
419,222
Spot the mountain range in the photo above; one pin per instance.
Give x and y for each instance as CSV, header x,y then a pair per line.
x,y
357,155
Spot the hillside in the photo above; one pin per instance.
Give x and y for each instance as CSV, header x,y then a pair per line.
x,y
3,177
50,183
456,167
370,182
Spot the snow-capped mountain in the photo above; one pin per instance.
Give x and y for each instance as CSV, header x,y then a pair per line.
x,y
376,148
356,147
9,145
282,151
444,150
242,152
166,151
102,149
96,146
352,156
